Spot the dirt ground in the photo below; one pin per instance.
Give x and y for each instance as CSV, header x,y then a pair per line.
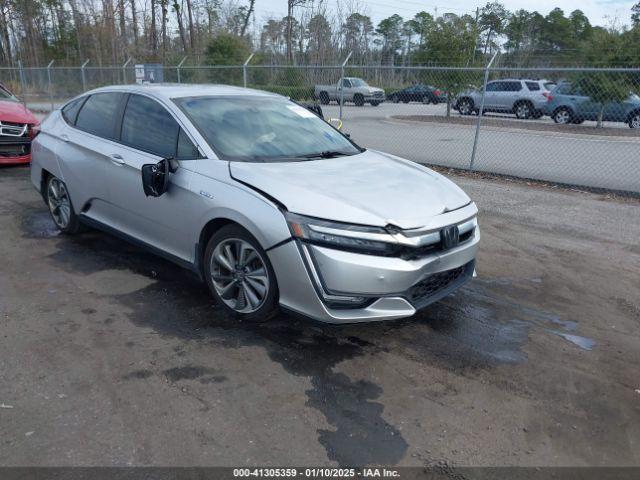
x,y
112,356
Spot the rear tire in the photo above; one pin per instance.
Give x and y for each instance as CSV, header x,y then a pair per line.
x,y
240,276
634,120
324,98
60,207
523,110
375,103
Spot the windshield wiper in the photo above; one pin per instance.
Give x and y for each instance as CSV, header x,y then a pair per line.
x,y
325,154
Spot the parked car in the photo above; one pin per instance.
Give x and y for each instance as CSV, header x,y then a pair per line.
x,y
566,104
18,127
526,98
418,93
268,203
354,90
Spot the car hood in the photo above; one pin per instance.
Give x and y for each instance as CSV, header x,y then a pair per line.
x,y
16,112
370,188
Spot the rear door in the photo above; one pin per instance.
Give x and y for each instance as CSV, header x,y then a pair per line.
x,y
89,132
512,91
148,133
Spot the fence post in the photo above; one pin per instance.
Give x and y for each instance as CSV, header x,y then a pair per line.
x,y
124,71
244,70
481,111
84,80
49,80
340,83
179,65
23,86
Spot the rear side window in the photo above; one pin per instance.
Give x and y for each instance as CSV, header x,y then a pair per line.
x,y
533,86
512,86
99,114
148,126
71,109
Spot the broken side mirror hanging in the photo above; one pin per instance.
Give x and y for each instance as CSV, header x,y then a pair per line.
x,y
155,177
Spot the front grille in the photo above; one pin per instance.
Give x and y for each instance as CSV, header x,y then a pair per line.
x,y
378,94
12,129
437,285
412,253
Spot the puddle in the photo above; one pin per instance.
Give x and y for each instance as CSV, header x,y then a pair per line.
x,y
38,224
582,342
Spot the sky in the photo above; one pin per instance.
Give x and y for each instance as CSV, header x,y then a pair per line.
x,y
599,12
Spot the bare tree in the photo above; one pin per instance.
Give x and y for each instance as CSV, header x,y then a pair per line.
x,y
176,8
252,4
291,4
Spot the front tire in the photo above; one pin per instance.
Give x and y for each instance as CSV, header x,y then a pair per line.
x,y
239,275
634,120
465,106
60,206
563,116
358,99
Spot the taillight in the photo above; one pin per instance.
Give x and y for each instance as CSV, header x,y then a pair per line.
x,y
437,92
548,95
34,130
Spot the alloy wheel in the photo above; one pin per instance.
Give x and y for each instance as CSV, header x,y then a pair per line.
x,y
59,203
523,111
562,116
239,275
465,107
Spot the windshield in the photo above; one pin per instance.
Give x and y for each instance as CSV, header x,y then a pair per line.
x,y
264,129
358,82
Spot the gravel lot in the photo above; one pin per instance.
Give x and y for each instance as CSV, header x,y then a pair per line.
x,y
112,356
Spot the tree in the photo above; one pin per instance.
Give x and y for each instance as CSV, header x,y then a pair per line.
x,y
635,15
421,24
603,88
390,29
318,39
291,4
493,17
227,49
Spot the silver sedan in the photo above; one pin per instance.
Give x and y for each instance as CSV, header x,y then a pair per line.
x,y
268,203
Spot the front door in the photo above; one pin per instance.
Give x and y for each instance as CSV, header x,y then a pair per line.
x,y
149,133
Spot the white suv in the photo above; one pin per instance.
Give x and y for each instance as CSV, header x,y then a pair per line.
x,y
525,98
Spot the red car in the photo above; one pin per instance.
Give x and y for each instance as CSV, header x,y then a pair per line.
x,y
18,126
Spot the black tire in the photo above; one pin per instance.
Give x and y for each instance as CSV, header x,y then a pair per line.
x,y
375,103
358,99
60,206
269,304
563,116
537,114
634,120
465,106
324,98
523,110
577,120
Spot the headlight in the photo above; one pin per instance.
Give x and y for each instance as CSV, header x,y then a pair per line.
x,y
364,239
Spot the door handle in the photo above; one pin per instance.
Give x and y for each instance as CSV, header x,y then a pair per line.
x,y
64,137
117,159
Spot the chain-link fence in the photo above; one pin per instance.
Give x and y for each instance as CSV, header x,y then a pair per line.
x,y
567,125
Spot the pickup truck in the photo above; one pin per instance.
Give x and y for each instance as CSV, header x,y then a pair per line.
x,y
355,90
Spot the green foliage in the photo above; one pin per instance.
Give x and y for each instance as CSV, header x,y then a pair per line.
x,y
227,49
603,88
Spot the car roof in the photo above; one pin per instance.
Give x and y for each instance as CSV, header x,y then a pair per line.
x,y
168,91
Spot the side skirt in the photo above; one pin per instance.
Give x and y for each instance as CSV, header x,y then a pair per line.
x,y
139,243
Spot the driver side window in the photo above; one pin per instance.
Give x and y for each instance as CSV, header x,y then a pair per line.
x,y
346,83
148,126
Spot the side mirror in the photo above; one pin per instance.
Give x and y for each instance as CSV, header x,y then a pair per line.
x,y
155,177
